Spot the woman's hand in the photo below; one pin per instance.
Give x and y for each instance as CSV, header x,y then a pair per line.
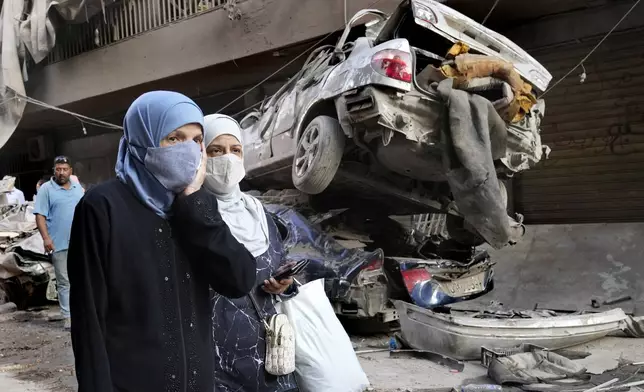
x,y
272,286
200,176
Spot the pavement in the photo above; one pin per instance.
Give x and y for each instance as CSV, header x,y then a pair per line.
x,y
564,267
392,375
10,384
560,267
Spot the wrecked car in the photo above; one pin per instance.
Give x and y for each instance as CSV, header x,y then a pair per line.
x,y
368,118
361,282
26,273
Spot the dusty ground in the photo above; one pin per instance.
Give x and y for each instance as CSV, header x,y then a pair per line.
x,y
36,356
34,349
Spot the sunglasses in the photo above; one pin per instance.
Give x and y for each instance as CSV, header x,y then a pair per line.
x,y
61,159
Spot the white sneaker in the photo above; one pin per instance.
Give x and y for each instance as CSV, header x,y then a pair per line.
x,y
68,324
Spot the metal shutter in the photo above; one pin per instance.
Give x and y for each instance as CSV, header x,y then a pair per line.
x,y
596,131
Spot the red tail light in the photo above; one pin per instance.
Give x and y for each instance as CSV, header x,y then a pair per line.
x,y
414,276
393,63
374,265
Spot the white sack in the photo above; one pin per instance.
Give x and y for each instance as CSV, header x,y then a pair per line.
x,y
324,356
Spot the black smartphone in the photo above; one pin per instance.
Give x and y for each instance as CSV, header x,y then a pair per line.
x,y
291,270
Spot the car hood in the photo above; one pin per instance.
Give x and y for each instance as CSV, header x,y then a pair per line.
x,y
455,26
329,260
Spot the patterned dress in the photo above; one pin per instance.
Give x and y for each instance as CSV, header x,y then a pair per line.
x,y
238,334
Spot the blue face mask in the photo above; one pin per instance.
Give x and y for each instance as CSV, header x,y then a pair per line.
x,y
175,166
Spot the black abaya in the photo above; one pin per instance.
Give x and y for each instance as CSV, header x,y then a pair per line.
x,y
140,290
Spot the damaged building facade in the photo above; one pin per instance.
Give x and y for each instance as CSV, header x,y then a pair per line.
x,y
215,50
564,269
225,54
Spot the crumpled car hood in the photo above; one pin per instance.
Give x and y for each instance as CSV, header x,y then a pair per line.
x,y
329,260
455,26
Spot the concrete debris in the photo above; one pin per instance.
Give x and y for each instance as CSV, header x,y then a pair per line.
x,y
598,364
8,307
26,273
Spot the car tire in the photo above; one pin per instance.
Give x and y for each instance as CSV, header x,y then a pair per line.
x,y
318,155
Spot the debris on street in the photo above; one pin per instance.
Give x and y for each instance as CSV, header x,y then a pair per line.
x,y
26,273
386,163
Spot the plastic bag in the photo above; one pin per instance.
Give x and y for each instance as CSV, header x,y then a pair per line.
x,y
324,356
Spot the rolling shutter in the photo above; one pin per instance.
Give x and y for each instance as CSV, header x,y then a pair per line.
x,y
596,131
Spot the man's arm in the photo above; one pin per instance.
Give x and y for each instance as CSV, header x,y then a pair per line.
x,y
41,210
208,242
41,223
89,296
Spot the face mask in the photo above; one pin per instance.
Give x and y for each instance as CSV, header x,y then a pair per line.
x,y
175,166
224,173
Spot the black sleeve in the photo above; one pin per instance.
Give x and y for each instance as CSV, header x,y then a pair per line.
x,y
206,239
88,296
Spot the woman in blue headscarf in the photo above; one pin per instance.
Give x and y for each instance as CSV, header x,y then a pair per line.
x,y
144,250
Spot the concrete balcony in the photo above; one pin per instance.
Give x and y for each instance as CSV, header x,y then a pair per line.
x,y
138,42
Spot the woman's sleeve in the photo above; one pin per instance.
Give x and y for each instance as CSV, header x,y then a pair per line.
x,y
204,236
88,297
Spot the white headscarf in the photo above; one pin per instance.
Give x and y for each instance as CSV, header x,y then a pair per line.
x,y
243,213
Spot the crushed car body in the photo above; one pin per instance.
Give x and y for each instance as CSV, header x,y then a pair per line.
x,y
434,283
26,273
367,117
361,283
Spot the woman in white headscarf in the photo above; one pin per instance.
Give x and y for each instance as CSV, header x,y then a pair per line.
x,y
238,334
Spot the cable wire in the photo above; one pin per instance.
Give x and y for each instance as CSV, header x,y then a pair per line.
x,y
285,65
99,123
81,118
593,50
275,73
490,12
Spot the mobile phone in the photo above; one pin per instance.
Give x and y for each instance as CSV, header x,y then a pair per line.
x,y
291,270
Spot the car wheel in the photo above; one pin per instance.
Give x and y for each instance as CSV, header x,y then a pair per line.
x,y
318,155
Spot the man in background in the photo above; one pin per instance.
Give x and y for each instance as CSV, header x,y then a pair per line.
x,y
43,180
15,196
54,210
47,177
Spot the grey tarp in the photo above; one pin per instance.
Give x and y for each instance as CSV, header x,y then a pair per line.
x,y
12,59
30,30
475,138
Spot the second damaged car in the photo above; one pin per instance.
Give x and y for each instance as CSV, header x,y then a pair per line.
x,y
380,119
361,281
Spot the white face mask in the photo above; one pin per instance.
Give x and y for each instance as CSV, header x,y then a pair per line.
x,y
224,173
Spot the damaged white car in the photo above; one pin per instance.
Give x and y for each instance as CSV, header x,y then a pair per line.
x,y
428,111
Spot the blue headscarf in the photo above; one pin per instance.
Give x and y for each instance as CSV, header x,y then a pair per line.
x,y
151,118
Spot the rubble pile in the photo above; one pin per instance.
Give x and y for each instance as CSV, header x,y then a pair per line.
x,y
26,274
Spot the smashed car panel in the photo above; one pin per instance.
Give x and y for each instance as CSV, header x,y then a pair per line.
x,y
457,27
360,283
462,335
433,283
341,267
26,273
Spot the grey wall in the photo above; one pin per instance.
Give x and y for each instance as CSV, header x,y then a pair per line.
x,y
93,157
575,26
565,266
